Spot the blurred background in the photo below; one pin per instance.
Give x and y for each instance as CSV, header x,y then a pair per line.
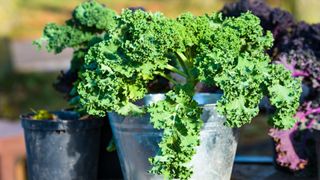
x,y
27,74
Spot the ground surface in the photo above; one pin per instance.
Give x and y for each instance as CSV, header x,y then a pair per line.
x,y
261,172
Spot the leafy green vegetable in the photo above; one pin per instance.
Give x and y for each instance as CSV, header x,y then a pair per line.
x,y
179,117
297,47
116,56
91,21
93,14
61,37
227,52
283,95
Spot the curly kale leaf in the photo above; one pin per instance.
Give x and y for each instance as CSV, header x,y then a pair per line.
x,y
238,64
273,19
59,37
284,93
89,19
301,37
242,93
302,63
288,154
233,58
232,39
148,37
197,29
297,47
117,70
108,82
90,22
94,14
179,118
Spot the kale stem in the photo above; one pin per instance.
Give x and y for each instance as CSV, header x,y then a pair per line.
x,y
182,56
183,60
174,69
169,78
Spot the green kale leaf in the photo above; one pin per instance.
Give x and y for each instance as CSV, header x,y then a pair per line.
x,y
94,14
179,118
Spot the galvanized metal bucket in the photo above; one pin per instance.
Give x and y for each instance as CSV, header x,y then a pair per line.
x,y
137,140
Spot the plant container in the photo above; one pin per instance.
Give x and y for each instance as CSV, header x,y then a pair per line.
x,y
109,165
66,148
137,140
316,136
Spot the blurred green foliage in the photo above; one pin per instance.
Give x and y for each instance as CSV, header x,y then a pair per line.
x,y
19,93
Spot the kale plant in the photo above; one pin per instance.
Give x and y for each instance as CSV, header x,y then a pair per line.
x,y
297,47
89,23
229,53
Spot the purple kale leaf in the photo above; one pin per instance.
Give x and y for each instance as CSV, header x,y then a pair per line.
x,y
302,63
294,147
302,36
286,147
273,19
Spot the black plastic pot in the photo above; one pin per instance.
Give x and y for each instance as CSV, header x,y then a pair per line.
x,y
109,165
63,149
316,136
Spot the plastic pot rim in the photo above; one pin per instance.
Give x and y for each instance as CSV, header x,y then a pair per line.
x,y
67,121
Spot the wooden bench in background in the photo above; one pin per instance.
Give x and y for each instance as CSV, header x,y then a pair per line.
x,y
12,151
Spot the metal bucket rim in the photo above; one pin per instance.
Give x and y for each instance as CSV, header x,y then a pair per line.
x,y
203,99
